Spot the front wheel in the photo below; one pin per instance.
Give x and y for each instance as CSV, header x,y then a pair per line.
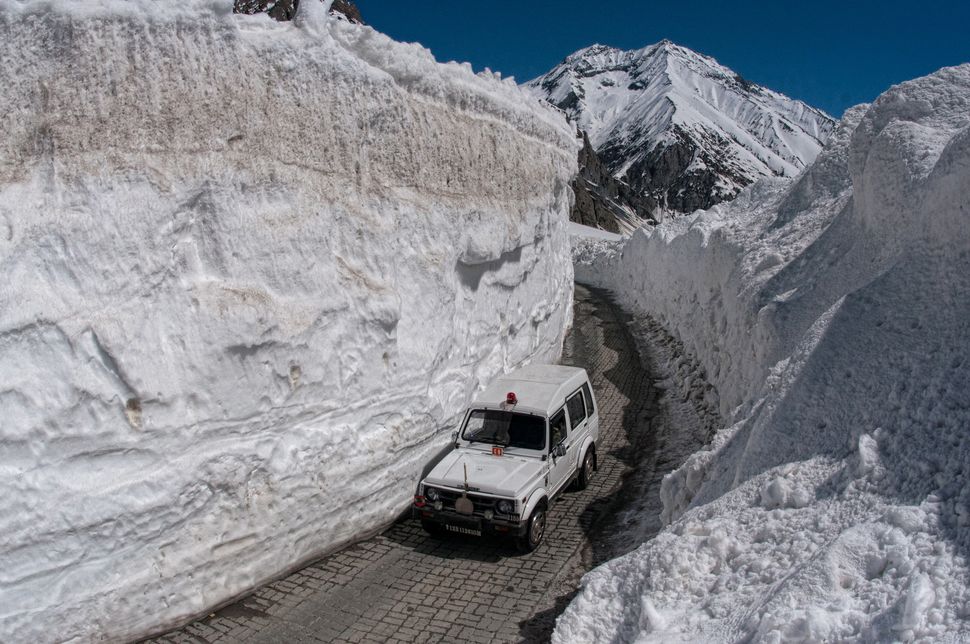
x,y
535,530
586,470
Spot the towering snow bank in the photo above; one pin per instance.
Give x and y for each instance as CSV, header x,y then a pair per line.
x,y
251,273
833,314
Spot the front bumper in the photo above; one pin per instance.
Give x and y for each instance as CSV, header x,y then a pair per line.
x,y
469,524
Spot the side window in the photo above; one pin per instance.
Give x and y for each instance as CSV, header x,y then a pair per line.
x,y
577,409
557,428
588,395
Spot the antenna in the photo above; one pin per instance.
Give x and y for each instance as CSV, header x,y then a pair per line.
x,y
464,505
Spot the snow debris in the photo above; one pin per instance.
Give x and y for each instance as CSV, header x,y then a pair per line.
x,y
252,272
781,492
679,488
832,313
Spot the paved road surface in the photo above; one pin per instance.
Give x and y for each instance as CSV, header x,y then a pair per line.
x,y
405,586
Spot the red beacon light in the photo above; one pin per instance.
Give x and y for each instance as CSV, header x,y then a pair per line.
x,y
510,398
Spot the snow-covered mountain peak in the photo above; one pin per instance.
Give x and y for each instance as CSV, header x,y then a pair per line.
x,y
591,53
678,125
600,57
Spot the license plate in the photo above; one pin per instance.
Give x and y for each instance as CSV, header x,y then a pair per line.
x,y
463,530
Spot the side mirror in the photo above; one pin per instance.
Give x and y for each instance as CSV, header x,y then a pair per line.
x,y
559,450
454,437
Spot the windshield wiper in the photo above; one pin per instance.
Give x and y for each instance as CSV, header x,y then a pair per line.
x,y
491,440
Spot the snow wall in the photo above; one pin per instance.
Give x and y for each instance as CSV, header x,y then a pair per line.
x,y
833,315
252,272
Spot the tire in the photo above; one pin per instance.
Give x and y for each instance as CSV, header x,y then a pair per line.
x,y
432,528
535,531
586,470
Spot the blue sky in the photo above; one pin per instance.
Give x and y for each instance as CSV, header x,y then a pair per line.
x,y
830,54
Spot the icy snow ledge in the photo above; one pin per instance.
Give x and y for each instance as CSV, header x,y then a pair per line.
x,y
833,315
251,273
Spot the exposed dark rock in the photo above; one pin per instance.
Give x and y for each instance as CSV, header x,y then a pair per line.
x,y
277,9
601,199
285,9
681,176
746,85
348,9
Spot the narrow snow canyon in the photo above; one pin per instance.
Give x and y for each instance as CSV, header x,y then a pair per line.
x,y
832,313
253,271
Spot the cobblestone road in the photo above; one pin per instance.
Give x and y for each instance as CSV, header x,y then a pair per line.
x,y
404,586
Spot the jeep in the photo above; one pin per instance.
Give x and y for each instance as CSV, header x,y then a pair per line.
x,y
520,444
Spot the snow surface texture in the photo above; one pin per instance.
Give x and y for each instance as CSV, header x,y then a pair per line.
x,y
833,315
251,273
631,102
586,232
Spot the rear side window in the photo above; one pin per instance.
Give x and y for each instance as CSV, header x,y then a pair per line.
x,y
557,428
577,409
588,395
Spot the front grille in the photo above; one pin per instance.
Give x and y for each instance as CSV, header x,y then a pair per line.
x,y
481,503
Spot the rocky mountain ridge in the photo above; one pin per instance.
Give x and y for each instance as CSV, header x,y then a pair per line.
x,y
680,130
602,200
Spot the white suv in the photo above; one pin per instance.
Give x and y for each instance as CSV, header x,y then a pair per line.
x,y
522,442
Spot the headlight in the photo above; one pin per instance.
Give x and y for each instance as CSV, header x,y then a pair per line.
x,y
505,507
431,494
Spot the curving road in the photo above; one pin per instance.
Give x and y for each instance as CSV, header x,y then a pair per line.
x,y
404,586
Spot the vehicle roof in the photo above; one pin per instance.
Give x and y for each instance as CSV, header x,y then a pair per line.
x,y
539,388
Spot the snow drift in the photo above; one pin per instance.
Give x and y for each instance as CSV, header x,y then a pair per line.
x,y
251,273
833,315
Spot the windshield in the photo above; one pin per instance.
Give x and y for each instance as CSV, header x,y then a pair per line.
x,y
505,428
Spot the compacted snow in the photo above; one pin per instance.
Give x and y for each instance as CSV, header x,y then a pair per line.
x,y
251,273
587,232
833,315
